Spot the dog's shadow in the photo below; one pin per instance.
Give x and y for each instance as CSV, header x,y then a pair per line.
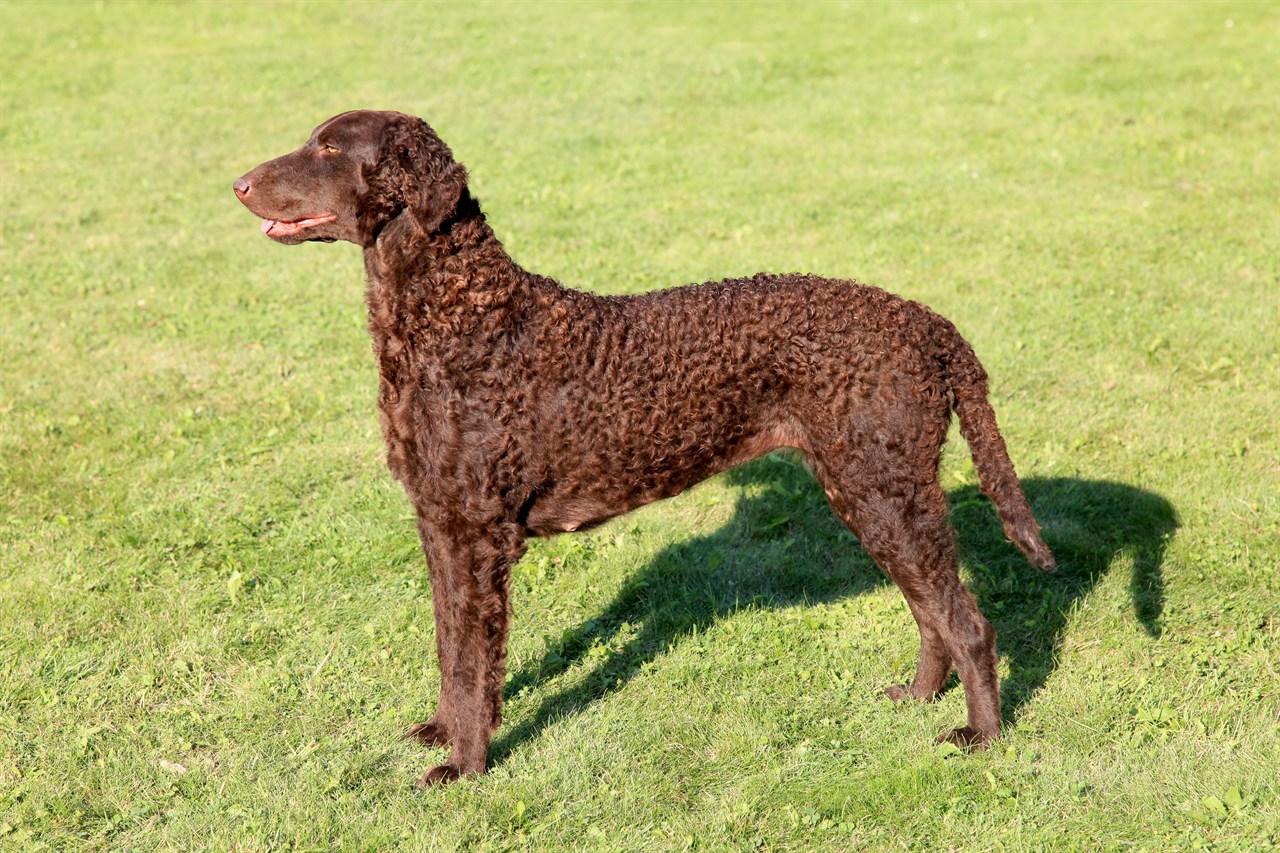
x,y
782,516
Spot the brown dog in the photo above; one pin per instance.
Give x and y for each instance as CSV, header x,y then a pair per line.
x,y
514,407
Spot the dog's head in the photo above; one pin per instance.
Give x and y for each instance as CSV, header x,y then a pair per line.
x,y
357,172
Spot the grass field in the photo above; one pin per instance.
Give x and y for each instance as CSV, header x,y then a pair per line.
x,y
214,615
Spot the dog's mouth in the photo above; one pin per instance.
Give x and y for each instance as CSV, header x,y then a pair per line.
x,y
278,229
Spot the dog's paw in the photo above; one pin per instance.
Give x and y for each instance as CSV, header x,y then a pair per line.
x,y
968,739
442,775
429,733
898,692
905,693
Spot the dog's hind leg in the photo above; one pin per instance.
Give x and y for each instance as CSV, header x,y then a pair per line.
x,y
899,513
934,665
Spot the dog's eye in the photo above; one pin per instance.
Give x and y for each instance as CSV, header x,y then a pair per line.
x,y
330,149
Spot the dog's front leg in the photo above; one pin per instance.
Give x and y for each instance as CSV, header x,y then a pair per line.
x,y
470,568
435,732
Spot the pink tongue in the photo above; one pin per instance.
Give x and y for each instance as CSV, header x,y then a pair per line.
x,y
278,228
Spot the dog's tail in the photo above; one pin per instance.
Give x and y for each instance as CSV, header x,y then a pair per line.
x,y
968,384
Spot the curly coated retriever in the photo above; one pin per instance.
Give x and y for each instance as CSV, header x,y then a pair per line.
x,y
515,407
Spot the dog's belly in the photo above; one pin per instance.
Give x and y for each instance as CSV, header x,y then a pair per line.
x,y
572,503
553,513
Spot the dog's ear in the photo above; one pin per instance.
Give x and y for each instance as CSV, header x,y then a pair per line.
x,y
416,172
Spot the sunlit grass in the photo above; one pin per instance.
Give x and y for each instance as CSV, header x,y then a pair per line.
x,y
214,617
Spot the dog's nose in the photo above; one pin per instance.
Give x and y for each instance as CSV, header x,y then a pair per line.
x,y
242,187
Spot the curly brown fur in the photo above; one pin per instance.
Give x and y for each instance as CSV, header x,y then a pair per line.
x,y
514,407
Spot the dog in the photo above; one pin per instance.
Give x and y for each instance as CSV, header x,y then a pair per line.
x,y
515,407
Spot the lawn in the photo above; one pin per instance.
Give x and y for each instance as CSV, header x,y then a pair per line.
x,y
214,615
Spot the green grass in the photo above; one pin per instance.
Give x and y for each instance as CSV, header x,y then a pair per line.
x,y
214,617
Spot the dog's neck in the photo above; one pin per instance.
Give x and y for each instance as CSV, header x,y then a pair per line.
x,y
455,274
450,296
